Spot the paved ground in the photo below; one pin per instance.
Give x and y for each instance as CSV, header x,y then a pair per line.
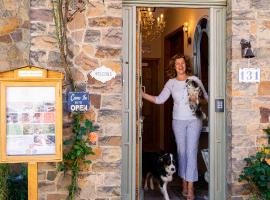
x,y
174,191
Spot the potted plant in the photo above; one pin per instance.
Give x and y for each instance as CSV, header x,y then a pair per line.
x,y
257,171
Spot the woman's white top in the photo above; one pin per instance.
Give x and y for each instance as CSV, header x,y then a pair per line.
x,y
178,90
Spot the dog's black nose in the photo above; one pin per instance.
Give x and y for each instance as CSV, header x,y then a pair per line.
x,y
172,169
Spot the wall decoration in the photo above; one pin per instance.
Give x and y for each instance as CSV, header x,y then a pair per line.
x,y
78,101
103,74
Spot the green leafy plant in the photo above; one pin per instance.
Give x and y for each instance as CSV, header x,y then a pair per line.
x,y
79,150
257,171
3,181
78,144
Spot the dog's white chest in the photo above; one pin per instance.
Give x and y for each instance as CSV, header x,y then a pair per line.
x,y
167,178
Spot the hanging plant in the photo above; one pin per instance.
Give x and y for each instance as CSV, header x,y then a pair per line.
x,y
64,12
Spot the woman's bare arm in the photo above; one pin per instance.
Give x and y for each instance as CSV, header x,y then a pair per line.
x,y
149,97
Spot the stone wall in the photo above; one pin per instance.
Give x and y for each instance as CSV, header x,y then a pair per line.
x,y
95,38
14,34
248,104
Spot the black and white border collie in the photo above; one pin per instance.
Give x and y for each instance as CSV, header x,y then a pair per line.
x,y
161,168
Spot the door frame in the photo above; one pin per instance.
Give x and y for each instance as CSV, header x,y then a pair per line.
x,y
217,83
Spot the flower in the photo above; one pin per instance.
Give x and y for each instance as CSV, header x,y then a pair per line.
x,y
92,137
267,152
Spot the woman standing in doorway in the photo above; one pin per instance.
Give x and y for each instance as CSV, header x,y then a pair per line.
x,y
186,126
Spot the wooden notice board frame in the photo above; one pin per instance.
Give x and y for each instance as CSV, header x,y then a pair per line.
x,y
21,81
31,77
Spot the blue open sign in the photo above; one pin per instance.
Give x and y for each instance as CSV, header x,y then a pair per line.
x,y
78,101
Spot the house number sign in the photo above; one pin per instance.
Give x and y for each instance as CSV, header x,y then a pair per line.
x,y
103,74
249,75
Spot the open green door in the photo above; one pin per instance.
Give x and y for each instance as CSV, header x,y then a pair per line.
x,y
217,83
128,181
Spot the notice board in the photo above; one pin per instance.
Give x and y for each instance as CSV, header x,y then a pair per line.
x,y
31,115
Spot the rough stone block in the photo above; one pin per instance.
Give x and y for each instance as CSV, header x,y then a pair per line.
x,y
113,129
261,141
239,129
239,103
26,24
264,88
106,167
92,36
96,9
237,198
108,191
238,165
86,62
115,198
54,59
242,189
263,15
97,155
260,4
265,114
42,175
243,140
114,65
46,187
77,36
47,166
240,153
91,114
51,175
88,49
243,15
108,52
8,25
95,100
63,182
115,9
77,75
240,5
105,21
5,39
109,141
37,3
78,22
248,116
108,116
57,196
111,154
112,102
112,179
112,36
112,86
16,35
44,43
43,15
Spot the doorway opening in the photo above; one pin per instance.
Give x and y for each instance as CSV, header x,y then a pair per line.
x,y
155,54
